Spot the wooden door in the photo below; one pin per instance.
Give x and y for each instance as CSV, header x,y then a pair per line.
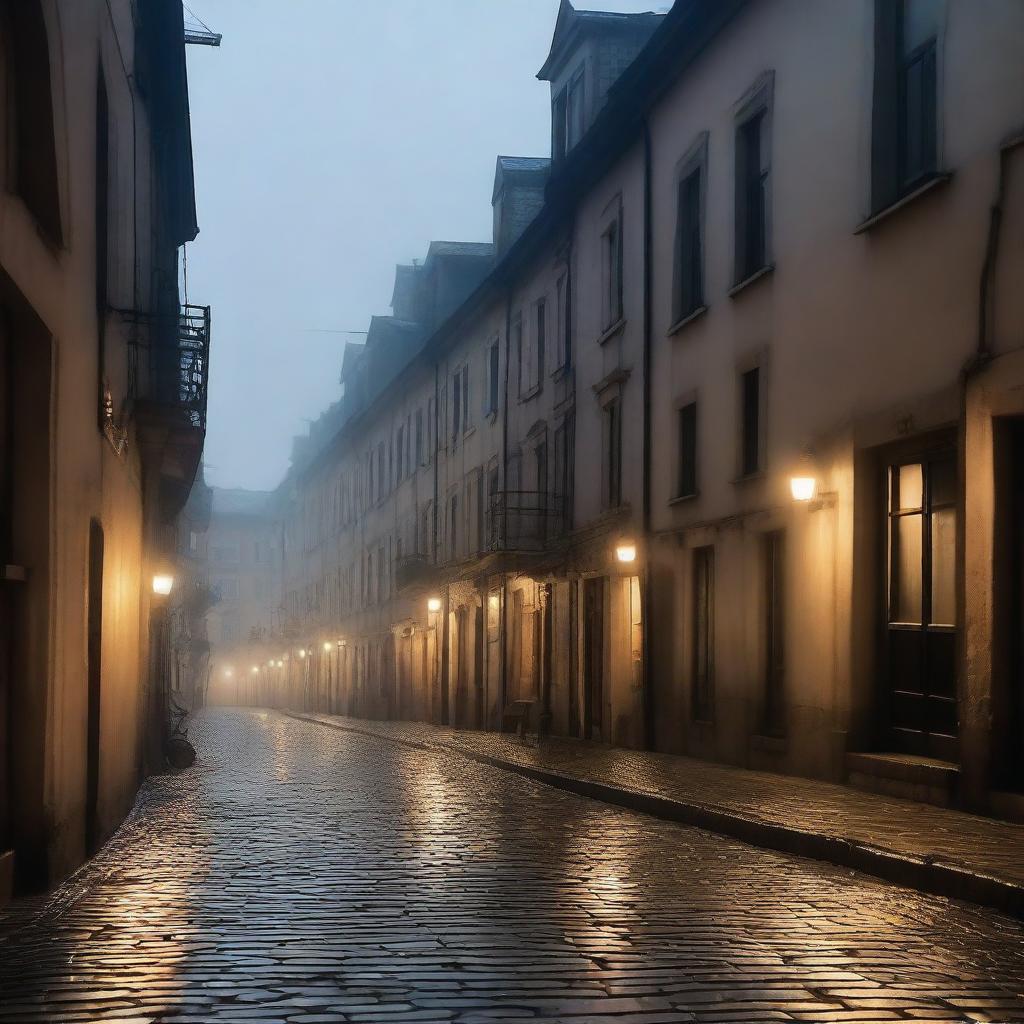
x,y
922,619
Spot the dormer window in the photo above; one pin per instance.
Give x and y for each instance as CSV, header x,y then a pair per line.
x,y
575,124
568,116
558,125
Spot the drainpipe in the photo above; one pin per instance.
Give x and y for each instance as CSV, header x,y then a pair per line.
x,y
502,622
645,643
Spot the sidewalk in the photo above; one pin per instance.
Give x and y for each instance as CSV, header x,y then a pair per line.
x,y
933,849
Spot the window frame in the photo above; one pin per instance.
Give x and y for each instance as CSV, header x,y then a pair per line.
x,y
756,106
695,162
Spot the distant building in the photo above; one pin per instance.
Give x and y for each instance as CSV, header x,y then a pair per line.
x,y
243,546
721,452
103,385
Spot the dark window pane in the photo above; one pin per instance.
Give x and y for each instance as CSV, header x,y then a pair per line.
x,y
751,454
688,450
755,177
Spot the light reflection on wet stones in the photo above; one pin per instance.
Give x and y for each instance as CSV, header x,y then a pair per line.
x,y
304,874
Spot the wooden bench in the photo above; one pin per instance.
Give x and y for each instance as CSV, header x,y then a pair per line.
x,y
516,717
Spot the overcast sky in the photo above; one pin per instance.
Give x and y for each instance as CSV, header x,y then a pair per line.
x,y
332,140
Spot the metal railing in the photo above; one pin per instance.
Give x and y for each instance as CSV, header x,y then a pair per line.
x,y
193,362
524,520
412,571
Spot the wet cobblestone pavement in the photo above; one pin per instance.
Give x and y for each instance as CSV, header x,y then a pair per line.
x,y
903,828
304,874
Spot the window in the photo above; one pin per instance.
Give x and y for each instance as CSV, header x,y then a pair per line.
x,y
381,574
752,189
774,712
492,501
380,471
703,625
226,587
687,484
426,529
31,153
905,109
563,353
563,471
575,110
453,526
493,356
611,262
750,416
466,424
540,340
456,406
689,268
517,348
400,461
419,438
612,461
558,125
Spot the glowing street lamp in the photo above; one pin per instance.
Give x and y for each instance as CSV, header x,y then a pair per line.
x,y
434,605
255,670
803,488
163,584
327,647
302,653
625,551
228,673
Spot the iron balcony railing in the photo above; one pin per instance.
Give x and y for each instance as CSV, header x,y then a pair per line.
x,y
524,520
193,362
412,571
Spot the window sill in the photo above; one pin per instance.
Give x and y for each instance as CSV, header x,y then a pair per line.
x,y
561,372
468,433
884,214
532,393
749,478
610,332
740,286
694,314
682,499
491,415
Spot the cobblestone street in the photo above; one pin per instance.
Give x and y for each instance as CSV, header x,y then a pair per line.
x,y
304,874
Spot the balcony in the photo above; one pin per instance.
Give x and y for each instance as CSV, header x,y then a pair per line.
x,y
192,368
526,521
171,416
413,573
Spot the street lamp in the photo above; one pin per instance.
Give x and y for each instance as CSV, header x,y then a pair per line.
x,y
327,647
803,488
302,653
163,584
434,604
625,551
228,673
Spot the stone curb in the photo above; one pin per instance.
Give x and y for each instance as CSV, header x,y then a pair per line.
x,y
928,875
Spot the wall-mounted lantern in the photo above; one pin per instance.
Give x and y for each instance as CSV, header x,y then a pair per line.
x,y
625,551
434,605
163,584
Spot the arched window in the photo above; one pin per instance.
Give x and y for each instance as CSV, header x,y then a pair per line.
x,y
30,162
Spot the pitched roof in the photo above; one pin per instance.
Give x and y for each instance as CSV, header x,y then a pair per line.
x,y
572,23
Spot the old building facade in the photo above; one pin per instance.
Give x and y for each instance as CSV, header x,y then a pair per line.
x,y
102,381
720,452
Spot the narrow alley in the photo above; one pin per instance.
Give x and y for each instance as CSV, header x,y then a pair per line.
x,y
300,873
